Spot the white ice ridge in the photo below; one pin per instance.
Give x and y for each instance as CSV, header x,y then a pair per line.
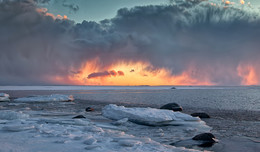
x,y
46,98
4,97
150,116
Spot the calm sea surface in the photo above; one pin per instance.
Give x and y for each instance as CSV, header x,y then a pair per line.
x,y
229,98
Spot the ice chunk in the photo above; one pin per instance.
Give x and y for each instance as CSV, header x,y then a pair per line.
x,y
18,128
120,122
4,97
148,116
90,141
46,98
11,115
129,143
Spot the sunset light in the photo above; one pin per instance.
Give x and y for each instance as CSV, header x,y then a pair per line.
x,y
129,75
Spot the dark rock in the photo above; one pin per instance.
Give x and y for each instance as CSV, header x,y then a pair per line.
x,y
79,117
204,136
201,140
172,106
206,139
88,109
200,115
173,88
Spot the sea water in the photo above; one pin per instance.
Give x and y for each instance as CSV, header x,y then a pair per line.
x,y
214,97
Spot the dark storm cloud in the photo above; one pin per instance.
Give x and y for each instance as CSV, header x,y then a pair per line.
x,y
105,74
120,73
42,1
73,7
212,41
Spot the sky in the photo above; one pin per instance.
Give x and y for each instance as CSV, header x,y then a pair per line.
x,y
97,10
129,42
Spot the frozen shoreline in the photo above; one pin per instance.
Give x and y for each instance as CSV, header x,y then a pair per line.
x,y
49,126
237,129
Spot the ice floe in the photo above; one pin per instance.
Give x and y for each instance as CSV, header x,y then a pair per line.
x,y
149,116
46,98
4,97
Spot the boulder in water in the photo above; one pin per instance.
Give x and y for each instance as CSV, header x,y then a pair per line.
x,y
206,139
201,140
79,117
172,106
88,109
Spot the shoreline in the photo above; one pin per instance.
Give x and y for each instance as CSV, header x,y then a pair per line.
x,y
236,130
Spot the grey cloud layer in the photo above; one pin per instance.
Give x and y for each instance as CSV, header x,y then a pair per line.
x,y
213,40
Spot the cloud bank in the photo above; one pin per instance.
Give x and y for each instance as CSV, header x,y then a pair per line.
x,y
212,42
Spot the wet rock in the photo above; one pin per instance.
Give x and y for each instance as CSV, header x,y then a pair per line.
x,y
200,115
172,106
79,117
88,109
206,139
173,88
201,140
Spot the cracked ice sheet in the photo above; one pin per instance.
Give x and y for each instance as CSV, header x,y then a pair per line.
x,y
31,134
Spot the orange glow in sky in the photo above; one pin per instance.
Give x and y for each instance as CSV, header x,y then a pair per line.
x,y
139,73
143,73
248,74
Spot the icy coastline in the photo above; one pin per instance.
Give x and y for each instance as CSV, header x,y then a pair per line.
x,y
24,129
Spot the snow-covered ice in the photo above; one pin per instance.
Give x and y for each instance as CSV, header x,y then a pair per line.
x,y
150,116
41,124
46,98
4,97
36,132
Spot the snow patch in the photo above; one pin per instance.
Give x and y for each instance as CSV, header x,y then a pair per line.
x,y
46,98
